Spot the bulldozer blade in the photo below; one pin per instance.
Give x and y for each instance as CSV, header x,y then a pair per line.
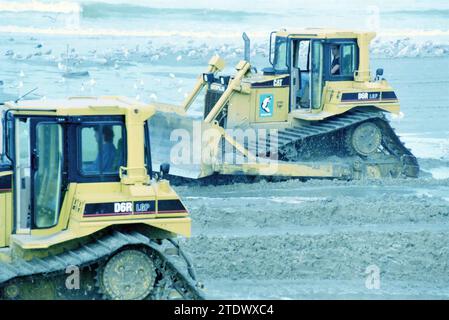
x,y
179,140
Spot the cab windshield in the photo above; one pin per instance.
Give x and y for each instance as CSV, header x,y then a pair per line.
x,y
280,54
1,132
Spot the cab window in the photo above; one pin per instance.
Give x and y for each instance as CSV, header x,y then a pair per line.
x,y
343,60
102,149
48,174
302,55
280,58
147,144
348,59
1,131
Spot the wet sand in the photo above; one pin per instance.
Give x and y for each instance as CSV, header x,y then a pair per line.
x,y
316,239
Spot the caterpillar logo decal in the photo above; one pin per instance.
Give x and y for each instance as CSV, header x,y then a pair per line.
x,y
266,105
279,82
133,208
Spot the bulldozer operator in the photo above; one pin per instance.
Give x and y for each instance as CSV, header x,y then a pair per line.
x,y
107,152
335,66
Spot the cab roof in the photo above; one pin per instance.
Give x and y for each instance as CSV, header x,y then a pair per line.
x,y
81,106
324,33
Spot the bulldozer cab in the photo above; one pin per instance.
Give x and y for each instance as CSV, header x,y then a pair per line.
x,y
82,159
45,163
311,60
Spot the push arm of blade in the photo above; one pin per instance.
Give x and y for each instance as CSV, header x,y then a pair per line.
x,y
216,64
242,68
251,157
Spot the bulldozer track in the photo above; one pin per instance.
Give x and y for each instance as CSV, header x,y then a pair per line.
x,y
97,252
299,135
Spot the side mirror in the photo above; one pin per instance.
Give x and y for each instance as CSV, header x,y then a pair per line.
x,y
379,73
164,169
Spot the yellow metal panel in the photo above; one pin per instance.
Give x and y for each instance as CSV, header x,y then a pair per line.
x,y
9,219
63,216
5,173
280,102
325,33
239,110
332,104
79,230
5,218
84,106
2,219
283,169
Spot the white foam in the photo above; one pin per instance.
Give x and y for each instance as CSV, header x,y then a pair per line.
x,y
434,148
388,44
440,173
290,200
294,200
38,6
411,45
117,32
414,33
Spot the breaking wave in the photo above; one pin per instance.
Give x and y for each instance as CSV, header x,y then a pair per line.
x,y
94,10
115,32
440,13
406,47
64,7
104,9
157,19
385,45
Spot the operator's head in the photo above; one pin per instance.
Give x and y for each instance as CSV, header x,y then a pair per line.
x,y
335,50
108,134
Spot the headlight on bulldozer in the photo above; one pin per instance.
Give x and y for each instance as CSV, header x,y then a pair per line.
x,y
208,77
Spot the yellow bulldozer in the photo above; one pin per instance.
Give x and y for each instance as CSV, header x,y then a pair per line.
x,y
317,111
78,200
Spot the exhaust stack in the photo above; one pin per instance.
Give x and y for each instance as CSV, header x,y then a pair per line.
x,y
247,49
